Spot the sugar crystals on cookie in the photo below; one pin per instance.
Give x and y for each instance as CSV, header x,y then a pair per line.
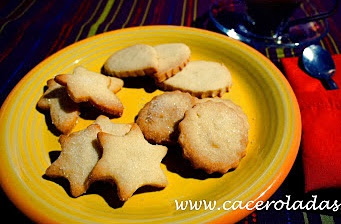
x,y
87,86
160,117
63,111
129,161
79,154
230,104
213,137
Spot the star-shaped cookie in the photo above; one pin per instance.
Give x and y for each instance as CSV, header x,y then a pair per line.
x,y
87,86
63,111
130,161
80,153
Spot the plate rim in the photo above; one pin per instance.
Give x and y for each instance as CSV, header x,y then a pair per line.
x,y
268,190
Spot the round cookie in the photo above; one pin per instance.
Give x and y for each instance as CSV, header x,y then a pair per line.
x,y
136,60
159,118
213,137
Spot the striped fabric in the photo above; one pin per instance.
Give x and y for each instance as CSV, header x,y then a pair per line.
x,y
31,30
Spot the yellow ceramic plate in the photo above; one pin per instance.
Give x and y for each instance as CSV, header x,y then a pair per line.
x,y
27,145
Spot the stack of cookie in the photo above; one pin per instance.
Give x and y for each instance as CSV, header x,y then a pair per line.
x,y
171,68
66,91
212,132
106,151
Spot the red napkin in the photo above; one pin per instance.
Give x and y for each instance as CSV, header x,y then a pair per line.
x,y
321,126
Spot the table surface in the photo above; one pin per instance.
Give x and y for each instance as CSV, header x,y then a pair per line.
x,y
31,30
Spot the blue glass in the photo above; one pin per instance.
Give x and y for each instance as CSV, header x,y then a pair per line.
x,y
276,29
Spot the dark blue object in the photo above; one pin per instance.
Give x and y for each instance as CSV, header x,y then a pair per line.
x,y
319,64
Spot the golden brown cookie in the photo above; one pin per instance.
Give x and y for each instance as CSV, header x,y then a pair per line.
x,y
160,117
173,58
87,86
201,79
63,111
213,137
136,60
129,161
80,153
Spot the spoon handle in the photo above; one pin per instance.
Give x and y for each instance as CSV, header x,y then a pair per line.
x,y
330,84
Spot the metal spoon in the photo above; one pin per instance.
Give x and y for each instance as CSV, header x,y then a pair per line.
x,y
319,64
